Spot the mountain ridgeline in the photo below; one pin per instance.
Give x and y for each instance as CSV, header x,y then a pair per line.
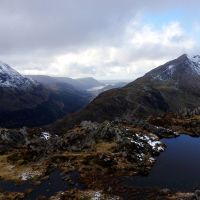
x,y
25,102
79,84
171,87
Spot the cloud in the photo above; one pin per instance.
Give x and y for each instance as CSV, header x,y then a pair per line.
x,y
104,39
141,48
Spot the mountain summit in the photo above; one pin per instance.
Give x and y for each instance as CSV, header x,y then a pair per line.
x,y
176,69
11,78
171,87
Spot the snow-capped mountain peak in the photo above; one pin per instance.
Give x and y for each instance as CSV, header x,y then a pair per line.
x,y
184,66
194,58
195,63
13,79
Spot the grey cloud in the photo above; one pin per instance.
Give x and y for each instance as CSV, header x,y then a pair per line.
x,y
33,32
56,25
52,25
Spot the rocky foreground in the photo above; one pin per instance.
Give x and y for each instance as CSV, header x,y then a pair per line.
x,y
99,152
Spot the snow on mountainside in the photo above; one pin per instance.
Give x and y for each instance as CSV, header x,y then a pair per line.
x,y
165,74
195,63
185,64
12,79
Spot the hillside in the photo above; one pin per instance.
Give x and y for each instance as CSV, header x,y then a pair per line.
x,y
171,87
25,102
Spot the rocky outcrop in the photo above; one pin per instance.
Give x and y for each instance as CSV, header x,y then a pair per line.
x,y
108,144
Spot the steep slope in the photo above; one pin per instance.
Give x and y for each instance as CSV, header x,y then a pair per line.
x,y
25,102
12,79
171,87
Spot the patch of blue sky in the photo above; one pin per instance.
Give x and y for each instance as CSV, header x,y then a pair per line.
x,y
189,20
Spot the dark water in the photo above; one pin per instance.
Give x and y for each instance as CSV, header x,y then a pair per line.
x,y
53,184
178,168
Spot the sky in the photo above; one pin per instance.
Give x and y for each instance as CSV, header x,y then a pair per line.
x,y
104,39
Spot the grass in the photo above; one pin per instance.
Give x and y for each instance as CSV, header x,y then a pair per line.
x,y
104,147
13,172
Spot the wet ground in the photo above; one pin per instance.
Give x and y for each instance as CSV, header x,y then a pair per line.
x,y
47,188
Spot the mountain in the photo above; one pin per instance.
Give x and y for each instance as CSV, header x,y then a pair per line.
x,y
171,87
79,84
55,83
25,102
12,79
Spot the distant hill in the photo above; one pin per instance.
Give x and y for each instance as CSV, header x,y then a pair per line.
x,y
80,84
90,85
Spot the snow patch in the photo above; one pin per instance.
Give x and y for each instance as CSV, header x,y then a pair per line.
x,y
140,156
28,175
166,74
153,142
137,143
152,159
170,67
97,196
194,58
195,63
25,176
45,135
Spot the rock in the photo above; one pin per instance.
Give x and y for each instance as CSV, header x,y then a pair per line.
x,y
165,191
105,161
197,194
